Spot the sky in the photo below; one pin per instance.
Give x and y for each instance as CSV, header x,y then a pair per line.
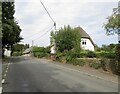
x,y
91,15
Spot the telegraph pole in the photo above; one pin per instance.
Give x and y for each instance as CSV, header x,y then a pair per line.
x,y
32,43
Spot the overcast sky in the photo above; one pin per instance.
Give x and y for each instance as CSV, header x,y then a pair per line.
x,y
36,24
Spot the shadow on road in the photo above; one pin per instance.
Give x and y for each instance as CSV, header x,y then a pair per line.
x,y
17,59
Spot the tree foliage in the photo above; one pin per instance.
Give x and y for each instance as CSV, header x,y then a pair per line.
x,y
113,24
66,39
20,47
10,28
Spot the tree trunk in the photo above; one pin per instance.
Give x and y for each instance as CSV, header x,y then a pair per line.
x,y
3,50
11,50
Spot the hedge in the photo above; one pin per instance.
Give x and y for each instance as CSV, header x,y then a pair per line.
x,y
103,54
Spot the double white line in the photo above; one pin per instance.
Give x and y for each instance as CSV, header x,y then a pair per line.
x,y
3,80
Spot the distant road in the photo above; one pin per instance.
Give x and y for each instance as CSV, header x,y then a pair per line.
x,y
26,74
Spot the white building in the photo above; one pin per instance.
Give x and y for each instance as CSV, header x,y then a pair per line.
x,y
86,41
7,52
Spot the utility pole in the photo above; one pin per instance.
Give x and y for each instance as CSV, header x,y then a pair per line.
x,y
55,25
32,43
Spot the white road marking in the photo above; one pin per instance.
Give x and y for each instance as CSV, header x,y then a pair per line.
x,y
6,71
0,90
4,75
3,81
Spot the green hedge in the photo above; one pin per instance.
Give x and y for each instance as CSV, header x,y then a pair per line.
x,y
16,54
110,55
103,54
41,52
76,61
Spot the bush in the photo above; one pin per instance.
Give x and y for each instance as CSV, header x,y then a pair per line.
x,y
110,65
110,55
16,54
83,54
95,65
117,51
103,63
41,51
76,61
40,55
91,54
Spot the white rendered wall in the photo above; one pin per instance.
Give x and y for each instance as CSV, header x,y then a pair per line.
x,y
7,52
52,50
88,45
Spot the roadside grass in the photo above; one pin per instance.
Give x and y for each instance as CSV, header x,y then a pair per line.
x,y
5,60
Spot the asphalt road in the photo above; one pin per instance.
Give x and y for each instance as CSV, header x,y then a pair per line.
x,y
26,74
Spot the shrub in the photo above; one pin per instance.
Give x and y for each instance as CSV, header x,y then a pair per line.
x,y
110,65
41,51
16,54
83,54
110,55
91,54
76,61
95,65
40,55
117,51
103,63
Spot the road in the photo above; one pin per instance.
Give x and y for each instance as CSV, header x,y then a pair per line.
x,y
26,74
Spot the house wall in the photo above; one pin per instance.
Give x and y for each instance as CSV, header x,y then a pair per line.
x,y
52,50
87,45
7,52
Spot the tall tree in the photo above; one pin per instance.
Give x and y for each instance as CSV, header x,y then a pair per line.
x,y
11,30
0,22
0,30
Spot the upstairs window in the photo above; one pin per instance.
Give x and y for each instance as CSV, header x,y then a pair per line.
x,y
84,42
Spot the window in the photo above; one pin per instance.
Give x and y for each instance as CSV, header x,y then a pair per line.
x,y
84,42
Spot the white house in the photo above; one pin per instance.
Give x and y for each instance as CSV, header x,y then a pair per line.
x,y
86,42
7,52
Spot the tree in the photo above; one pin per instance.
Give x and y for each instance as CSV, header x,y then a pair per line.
x,y
11,30
113,23
20,47
113,27
0,31
66,39
0,22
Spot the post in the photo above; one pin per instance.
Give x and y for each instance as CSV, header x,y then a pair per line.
x,y
32,43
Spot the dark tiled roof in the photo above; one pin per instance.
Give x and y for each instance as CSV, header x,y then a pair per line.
x,y
83,34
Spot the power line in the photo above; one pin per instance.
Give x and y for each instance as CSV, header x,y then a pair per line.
x,y
47,11
37,33
33,40
48,14
44,33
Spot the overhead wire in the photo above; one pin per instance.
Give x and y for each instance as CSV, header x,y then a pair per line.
x,y
47,11
44,33
37,33
50,18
